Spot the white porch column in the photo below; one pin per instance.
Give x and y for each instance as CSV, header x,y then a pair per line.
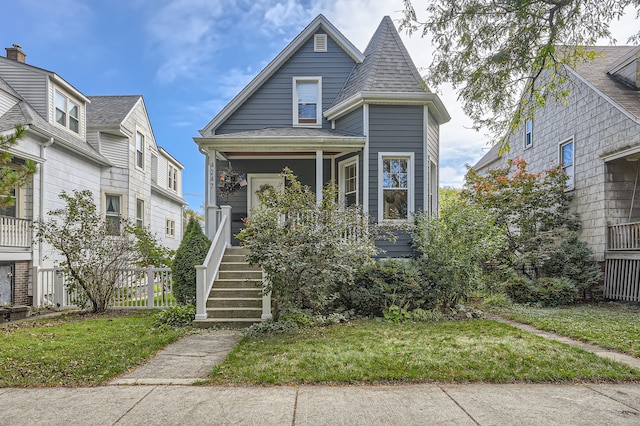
x,y
211,208
226,212
201,290
319,176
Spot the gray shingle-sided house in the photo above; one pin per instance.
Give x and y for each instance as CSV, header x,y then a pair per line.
x,y
77,143
329,112
595,135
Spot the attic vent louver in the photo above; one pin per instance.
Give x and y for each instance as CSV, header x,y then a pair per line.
x,y
320,43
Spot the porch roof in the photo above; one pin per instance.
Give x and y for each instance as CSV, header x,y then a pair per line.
x,y
286,139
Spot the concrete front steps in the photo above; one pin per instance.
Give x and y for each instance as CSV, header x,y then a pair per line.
x,y
235,300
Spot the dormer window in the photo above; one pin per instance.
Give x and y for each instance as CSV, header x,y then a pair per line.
x,y
307,98
67,112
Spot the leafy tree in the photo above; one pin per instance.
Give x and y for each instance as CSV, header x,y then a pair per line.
x,y
192,251
454,249
12,175
493,51
152,253
306,248
93,256
531,208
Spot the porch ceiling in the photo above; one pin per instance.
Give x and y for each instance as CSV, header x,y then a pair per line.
x,y
283,140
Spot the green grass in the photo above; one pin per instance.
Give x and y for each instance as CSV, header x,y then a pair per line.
x,y
78,349
380,352
610,325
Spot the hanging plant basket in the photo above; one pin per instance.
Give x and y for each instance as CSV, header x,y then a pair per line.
x,y
229,182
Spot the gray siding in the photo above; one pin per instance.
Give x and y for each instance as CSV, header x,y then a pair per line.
x,y
396,129
30,84
272,104
351,123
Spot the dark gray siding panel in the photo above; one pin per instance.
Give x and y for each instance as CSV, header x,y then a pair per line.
x,y
304,169
351,123
396,129
401,248
272,104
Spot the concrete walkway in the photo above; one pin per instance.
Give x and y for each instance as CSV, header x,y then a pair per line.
x,y
161,398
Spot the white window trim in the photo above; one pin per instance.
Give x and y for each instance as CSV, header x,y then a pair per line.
x,y
141,219
530,144
172,228
342,165
318,81
572,177
172,178
67,121
123,207
410,185
138,132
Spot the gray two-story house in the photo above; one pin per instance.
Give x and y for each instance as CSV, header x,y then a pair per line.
x,y
321,107
329,112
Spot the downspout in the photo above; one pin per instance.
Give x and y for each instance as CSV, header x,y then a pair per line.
x,y
43,147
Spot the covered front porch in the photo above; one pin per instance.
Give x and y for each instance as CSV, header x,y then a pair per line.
x,y
622,256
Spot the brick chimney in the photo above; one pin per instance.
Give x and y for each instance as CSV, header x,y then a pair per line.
x,y
16,53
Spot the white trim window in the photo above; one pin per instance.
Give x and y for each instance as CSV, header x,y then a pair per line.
x,y
170,228
139,150
528,134
67,112
307,101
139,212
395,186
349,182
113,210
567,159
173,178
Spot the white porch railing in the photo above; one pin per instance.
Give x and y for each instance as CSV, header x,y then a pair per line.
x,y
15,232
142,288
625,236
208,271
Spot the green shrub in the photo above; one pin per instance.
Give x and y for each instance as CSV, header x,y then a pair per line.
x,y
396,314
271,327
551,292
300,319
427,315
497,300
574,260
519,289
192,251
383,284
176,316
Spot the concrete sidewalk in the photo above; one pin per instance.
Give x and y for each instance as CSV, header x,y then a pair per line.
x,y
475,404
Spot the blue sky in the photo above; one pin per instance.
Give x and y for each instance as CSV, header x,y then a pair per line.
x,y
188,58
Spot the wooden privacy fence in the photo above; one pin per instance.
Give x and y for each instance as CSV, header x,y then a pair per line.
x,y
622,279
141,288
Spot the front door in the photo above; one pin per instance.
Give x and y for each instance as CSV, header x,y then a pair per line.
x,y
255,182
6,295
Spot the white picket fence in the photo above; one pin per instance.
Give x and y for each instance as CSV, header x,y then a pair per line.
x,y
141,288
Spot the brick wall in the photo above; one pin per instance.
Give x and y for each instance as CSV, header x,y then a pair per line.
x,y
21,283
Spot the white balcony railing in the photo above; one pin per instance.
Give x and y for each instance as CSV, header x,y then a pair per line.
x,y
624,236
15,232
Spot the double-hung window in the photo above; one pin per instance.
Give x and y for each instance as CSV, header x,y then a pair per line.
x,y
170,228
113,211
307,101
140,150
139,213
173,178
528,133
567,161
395,192
67,112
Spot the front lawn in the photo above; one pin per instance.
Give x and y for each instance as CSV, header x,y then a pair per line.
x,y
78,349
610,325
382,352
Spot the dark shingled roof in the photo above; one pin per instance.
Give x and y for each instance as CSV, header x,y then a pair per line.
x,y
387,67
107,110
595,72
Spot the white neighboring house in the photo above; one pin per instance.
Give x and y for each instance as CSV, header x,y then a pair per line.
x,y
71,145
